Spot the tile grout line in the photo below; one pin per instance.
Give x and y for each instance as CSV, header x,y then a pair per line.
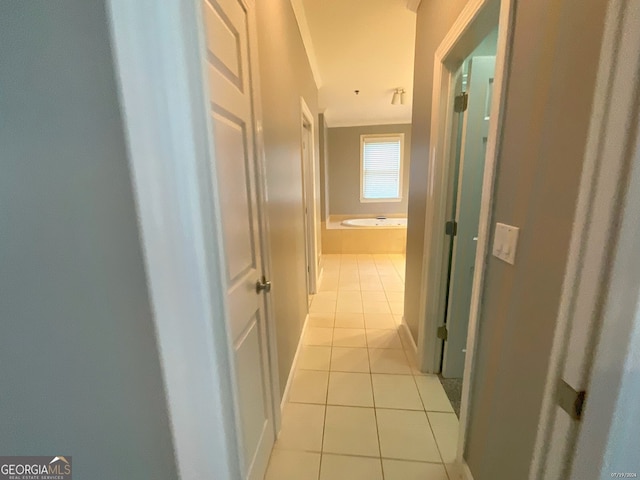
x,y
433,433
326,398
353,455
436,442
370,375
407,357
373,395
426,414
380,408
412,373
386,294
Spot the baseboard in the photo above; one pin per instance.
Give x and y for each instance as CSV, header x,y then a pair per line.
x,y
458,471
405,333
294,364
320,272
466,472
407,339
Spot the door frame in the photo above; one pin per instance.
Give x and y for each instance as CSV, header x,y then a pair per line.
x,y
310,191
598,325
159,60
453,251
475,21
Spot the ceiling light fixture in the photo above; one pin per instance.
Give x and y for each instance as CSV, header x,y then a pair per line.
x,y
398,97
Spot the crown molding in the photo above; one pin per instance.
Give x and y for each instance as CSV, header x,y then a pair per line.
x,y
305,33
413,5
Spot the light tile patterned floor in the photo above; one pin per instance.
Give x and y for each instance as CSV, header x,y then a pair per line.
x,y
358,407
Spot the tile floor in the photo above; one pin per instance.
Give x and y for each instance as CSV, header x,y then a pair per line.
x,y
358,408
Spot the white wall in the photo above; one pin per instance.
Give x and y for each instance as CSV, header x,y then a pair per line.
x,y
79,368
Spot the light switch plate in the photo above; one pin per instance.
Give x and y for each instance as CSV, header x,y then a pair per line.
x,y
505,242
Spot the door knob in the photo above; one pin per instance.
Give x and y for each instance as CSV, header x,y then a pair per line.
x,y
263,286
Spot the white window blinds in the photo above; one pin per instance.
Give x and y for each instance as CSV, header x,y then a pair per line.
x,y
381,159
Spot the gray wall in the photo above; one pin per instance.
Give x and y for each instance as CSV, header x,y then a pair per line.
x,y
434,20
79,366
285,77
344,171
548,103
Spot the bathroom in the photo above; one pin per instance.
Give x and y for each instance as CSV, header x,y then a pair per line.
x,y
364,185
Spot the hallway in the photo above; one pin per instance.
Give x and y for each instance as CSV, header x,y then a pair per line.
x,y
358,408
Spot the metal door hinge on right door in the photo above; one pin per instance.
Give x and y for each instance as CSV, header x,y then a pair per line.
x,y
451,228
570,400
443,333
461,102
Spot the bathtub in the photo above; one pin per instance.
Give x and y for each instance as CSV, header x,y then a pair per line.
x,y
379,222
353,234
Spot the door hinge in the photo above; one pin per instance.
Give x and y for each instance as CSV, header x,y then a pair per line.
x,y
461,102
443,333
570,400
451,228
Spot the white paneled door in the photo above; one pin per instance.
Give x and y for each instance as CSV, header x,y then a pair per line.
x,y
228,24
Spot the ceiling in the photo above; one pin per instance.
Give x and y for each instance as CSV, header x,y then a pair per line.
x,y
365,45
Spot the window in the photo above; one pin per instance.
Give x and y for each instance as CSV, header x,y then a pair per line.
x,y
381,168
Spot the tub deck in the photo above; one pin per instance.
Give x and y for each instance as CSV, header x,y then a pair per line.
x,y
343,239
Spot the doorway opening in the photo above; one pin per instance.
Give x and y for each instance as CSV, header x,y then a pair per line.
x,y
468,91
363,69
472,94
367,173
310,198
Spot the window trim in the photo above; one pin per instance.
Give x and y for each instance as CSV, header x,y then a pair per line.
x,y
394,136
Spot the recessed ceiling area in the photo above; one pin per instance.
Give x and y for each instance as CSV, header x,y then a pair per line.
x,y
365,45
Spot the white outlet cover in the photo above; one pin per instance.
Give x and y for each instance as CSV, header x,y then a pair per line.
x,y
505,242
